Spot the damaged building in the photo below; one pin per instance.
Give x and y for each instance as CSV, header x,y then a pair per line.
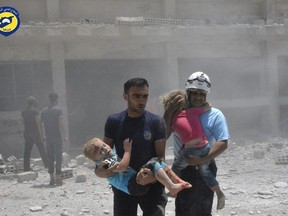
x,y
85,50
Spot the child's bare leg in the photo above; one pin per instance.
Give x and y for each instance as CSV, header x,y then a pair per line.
x,y
220,197
172,175
173,188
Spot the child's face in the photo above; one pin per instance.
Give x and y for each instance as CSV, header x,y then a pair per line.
x,y
102,150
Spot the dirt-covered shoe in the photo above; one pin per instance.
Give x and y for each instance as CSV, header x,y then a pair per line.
x,y
52,180
58,180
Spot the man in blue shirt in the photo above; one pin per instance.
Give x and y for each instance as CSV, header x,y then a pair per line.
x,y
198,200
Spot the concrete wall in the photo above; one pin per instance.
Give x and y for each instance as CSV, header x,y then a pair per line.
x,y
242,45
222,11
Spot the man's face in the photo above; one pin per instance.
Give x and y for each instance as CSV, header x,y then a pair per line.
x,y
137,98
197,98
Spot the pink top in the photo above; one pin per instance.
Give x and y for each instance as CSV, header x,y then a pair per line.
x,y
188,126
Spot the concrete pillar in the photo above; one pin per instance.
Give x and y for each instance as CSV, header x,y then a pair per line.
x,y
170,8
53,10
273,88
59,81
270,10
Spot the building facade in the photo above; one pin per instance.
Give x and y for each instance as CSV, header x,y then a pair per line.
x,y
85,50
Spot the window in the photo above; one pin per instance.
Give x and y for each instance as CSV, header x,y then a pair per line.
x,y
19,80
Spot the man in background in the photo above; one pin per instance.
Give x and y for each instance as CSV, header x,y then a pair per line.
x,y
32,133
52,119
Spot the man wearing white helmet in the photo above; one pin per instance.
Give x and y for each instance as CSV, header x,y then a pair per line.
x,y
198,200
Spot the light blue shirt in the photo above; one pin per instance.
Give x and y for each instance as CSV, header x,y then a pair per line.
x,y
119,179
215,129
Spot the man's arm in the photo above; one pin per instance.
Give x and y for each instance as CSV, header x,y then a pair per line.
x,y
62,128
39,125
159,146
42,129
146,176
218,148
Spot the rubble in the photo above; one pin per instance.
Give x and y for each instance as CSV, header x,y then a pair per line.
x,y
252,182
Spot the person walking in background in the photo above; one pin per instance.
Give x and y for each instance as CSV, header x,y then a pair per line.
x,y
32,133
54,134
125,177
198,200
186,124
148,133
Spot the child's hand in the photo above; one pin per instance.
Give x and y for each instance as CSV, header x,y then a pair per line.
x,y
112,168
127,145
176,104
207,106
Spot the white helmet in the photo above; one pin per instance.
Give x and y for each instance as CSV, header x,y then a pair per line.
x,y
198,80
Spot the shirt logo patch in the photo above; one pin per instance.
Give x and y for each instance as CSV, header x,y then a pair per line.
x,y
147,135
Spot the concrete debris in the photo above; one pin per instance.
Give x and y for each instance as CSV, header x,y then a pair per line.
x,y
80,192
26,176
247,173
66,173
1,160
280,160
64,213
281,184
80,178
81,159
36,209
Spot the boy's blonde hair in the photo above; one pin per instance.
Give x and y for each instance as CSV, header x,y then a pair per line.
x,y
89,148
168,99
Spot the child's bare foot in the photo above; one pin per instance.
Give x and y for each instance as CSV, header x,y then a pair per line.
x,y
175,179
221,201
176,188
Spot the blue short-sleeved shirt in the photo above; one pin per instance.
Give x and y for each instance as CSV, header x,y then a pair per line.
x,y
143,130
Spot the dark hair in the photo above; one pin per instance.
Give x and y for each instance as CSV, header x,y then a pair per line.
x,y
136,189
53,97
139,82
31,101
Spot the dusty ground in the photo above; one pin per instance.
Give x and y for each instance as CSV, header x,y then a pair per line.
x,y
252,182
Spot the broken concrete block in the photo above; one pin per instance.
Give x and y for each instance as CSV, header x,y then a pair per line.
x,y
258,154
18,165
65,159
12,159
10,168
3,169
283,159
66,173
26,176
37,162
1,160
81,159
80,178
36,208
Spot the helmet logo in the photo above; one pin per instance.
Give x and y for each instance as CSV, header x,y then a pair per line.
x,y
199,80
